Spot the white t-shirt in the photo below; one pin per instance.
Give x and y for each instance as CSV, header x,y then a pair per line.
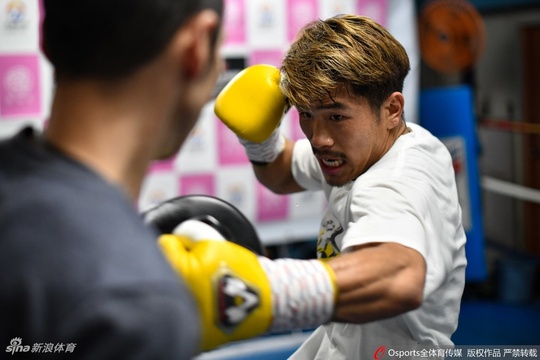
x,y
409,197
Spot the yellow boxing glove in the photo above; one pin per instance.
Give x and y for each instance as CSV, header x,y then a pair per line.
x,y
234,296
252,104
241,295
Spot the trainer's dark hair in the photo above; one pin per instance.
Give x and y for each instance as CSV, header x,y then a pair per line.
x,y
110,39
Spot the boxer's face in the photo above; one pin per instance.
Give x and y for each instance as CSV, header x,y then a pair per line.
x,y
346,135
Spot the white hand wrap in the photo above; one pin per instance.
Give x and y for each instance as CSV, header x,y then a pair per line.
x,y
267,151
302,293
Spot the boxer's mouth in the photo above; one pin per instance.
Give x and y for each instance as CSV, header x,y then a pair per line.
x,y
331,162
331,159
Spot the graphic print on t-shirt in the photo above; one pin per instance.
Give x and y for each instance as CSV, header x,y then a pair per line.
x,y
326,243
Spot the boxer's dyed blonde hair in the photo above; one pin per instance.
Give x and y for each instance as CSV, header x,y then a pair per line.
x,y
346,50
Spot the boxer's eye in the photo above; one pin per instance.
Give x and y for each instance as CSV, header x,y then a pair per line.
x,y
305,115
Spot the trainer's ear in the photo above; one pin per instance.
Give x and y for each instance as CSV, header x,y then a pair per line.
x,y
193,42
393,109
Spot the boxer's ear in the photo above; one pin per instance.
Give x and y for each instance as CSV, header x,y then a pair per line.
x,y
393,109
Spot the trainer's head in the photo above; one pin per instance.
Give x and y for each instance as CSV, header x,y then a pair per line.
x,y
110,39
346,50
166,48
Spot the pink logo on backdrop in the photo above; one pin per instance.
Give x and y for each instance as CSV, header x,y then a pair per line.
x,y
271,206
234,22
374,9
162,165
296,130
269,57
19,85
201,184
230,151
301,12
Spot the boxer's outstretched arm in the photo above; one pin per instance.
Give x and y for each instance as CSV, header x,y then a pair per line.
x,y
242,295
377,281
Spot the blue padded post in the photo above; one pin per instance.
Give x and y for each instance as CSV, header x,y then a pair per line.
x,y
448,113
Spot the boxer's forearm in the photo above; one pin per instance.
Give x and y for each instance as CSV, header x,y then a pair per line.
x,y
277,175
378,281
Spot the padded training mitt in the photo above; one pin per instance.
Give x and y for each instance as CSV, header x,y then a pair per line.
x,y
221,215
